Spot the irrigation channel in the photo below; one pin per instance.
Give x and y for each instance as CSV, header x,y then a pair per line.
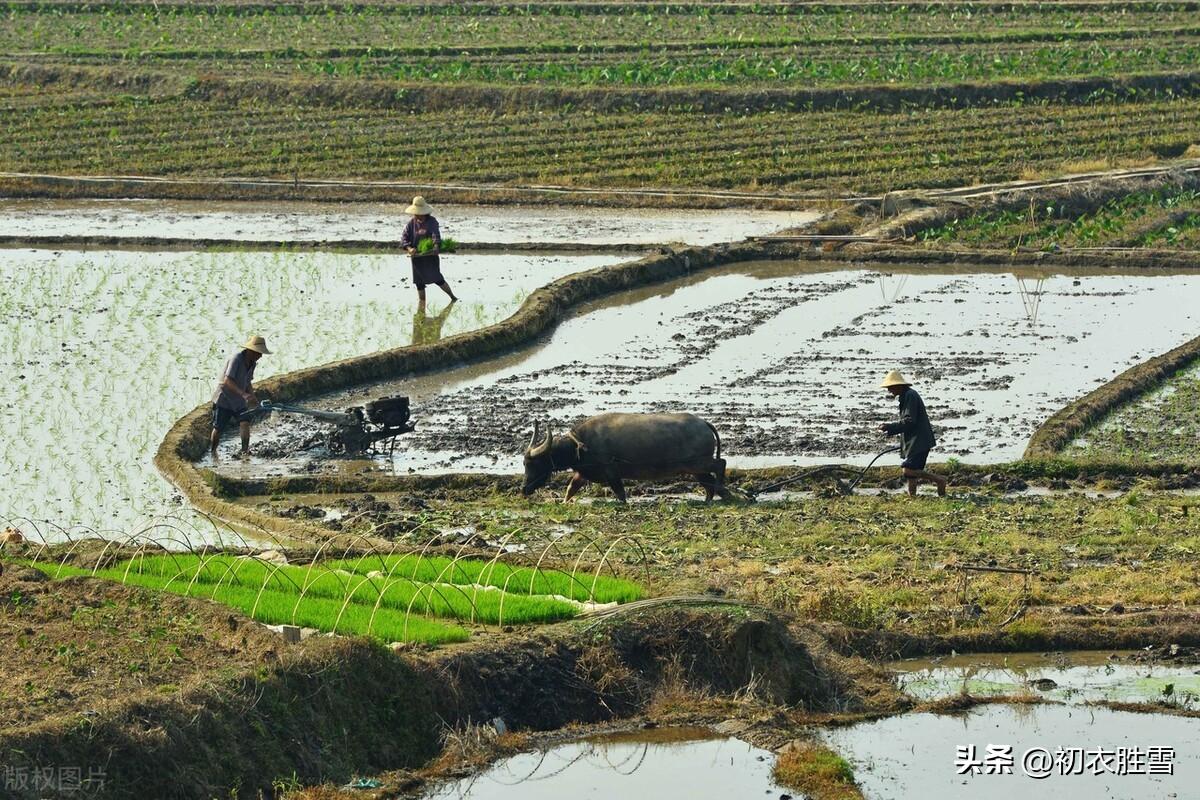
x,y
105,348
785,358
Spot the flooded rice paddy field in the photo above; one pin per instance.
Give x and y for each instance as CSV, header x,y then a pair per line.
x,y
663,763
785,359
1077,677
1162,425
296,221
104,351
915,755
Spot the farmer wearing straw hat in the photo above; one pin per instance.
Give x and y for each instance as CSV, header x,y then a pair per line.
x,y
426,266
234,398
915,432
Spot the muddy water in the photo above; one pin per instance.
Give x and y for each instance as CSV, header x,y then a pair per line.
x,y
1068,677
664,764
283,221
914,755
103,351
785,359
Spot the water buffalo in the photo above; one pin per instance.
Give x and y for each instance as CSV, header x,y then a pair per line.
x,y
610,447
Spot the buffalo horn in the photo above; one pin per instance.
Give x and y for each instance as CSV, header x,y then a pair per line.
x,y
542,448
533,439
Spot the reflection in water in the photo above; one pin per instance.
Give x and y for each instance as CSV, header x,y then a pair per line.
x,y
891,286
666,764
1069,677
427,329
1031,297
918,755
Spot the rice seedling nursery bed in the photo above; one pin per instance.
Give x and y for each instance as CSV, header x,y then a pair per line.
x,y
396,598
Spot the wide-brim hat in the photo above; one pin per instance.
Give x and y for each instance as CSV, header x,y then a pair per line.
x,y
419,206
894,378
258,344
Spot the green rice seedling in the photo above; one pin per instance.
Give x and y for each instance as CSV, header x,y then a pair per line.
x,y
433,597
514,580
426,245
278,608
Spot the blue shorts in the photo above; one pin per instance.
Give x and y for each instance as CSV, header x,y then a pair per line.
x,y
916,460
222,417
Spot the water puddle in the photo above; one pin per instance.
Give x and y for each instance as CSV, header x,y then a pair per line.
x,y
1075,677
665,764
785,359
296,221
103,351
1057,751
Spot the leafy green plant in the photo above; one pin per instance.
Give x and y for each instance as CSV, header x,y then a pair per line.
x,y
426,246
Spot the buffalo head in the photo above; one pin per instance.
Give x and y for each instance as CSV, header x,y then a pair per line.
x,y
539,464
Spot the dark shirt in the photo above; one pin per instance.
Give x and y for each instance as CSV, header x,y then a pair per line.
x,y
239,370
916,434
416,230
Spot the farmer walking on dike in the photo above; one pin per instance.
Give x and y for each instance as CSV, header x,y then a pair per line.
x,y
916,434
422,239
234,398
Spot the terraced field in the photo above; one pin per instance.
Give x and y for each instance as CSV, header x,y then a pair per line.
x,y
642,45
1161,218
832,151
828,98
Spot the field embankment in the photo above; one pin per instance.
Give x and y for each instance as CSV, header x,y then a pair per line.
x,y
210,702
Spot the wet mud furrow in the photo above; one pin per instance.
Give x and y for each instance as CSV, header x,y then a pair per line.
x,y
785,359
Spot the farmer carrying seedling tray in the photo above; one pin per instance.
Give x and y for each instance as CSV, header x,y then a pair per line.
x,y
422,239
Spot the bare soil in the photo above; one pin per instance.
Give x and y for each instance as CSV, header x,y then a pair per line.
x,y
76,646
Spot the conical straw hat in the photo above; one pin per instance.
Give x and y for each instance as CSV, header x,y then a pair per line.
x,y
894,378
419,206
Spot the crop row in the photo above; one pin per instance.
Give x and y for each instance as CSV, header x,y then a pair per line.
x,y
24,30
1167,217
822,152
717,64
562,132
887,66
530,136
